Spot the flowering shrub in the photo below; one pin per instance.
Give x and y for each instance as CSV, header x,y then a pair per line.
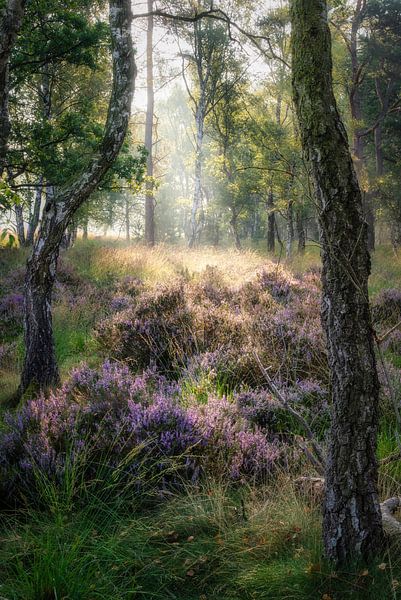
x,y
393,342
111,418
8,352
387,307
11,314
244,452
157,330
308,397
180,325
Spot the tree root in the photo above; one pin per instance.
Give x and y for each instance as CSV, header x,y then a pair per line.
x,y
313,489
391,525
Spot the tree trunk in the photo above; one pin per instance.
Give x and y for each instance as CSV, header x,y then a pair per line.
x,y
19,217
216,231
85,228
290,228
300,231
234,228
197,200
355,100
379,150
34,219
127,220
149,196
40,366
74,231
10,23
271,223
352,525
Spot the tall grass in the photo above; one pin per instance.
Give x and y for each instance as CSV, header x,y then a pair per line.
x,y
209,542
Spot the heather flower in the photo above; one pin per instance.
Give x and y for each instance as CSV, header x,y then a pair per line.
x,y
393,342
387,306
11,306
245,451
112,418
120,303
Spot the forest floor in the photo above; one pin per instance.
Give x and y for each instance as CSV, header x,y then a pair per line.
x,y
215,514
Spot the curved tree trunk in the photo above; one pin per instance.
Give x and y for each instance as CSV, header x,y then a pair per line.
x,y
10,23
40,366
149,196
352,524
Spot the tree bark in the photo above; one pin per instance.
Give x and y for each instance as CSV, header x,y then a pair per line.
x,y
40,366
85,230
127,220
271,223
10,23
290,228
355,100
234,229
300,231
149,195
34,218
197,199
352,524
19,217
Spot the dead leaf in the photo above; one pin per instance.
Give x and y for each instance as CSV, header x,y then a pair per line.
x,y
315,568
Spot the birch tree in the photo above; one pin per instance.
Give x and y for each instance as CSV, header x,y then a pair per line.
x,y
40,366
352,524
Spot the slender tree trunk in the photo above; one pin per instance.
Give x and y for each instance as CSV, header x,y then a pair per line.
x,y
127,220
355,100
34,219
74,232
149,196
352,524
271,223
234,228
85,223
10,22
197,199
40,365
290,228
300,231
216,232
19,217
379,150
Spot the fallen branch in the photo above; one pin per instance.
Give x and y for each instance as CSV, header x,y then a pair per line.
x,y
317,458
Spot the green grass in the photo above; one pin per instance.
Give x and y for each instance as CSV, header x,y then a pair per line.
x,y
206,543
201,544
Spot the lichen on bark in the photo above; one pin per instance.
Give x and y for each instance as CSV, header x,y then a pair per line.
x,y
352,525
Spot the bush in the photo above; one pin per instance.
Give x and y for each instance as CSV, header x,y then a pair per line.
x,y
156,330
133,426
206,326
387,307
